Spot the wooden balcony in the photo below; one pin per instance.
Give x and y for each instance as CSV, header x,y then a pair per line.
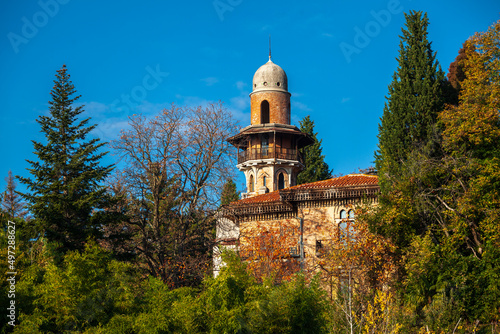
x,y
269,153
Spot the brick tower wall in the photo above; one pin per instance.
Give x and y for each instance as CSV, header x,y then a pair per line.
x,y
279,107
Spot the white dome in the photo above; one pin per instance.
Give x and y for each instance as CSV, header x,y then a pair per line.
x,y
270,77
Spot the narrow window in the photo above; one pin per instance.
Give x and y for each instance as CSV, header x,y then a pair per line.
x,y
264,181
281,181
264,112
343,214
351,214
265,146
343,233
250,186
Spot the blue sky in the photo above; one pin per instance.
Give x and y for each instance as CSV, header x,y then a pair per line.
x,y
129,57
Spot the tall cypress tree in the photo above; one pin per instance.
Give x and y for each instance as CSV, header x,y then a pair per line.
x,y
66,195
415,98
316,169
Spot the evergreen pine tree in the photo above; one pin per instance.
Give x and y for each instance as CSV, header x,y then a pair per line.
x,y
229,192
415,99
66,195
316,169
11,201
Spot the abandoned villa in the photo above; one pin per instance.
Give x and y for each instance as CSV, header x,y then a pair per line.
x,y
269,156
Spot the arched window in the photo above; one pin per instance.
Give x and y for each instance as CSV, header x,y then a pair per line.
x,y
264,181
281,181
346,223
264,112
251,185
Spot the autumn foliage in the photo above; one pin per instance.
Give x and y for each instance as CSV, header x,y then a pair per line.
x,y
360,268
474,123
443,208
271,250
134,255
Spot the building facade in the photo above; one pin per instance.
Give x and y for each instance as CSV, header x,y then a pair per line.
x,y
269,156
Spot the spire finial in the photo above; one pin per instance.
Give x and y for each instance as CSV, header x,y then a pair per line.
x,y
269,47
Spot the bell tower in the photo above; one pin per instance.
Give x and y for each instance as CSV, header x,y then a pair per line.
x,y
268,149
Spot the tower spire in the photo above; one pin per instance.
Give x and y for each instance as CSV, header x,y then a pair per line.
x,y
269,47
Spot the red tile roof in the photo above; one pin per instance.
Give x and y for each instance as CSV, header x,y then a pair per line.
x,y
342,181
264,198
351,180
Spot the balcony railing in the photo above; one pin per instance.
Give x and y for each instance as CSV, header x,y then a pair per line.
x,y
269,153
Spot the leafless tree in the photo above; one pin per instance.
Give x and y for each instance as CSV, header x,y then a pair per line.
x,y
176,165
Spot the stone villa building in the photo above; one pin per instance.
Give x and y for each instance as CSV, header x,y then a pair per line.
x,y
268,155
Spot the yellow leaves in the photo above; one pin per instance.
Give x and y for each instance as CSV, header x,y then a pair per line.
x,y
475,121
369,256
380,314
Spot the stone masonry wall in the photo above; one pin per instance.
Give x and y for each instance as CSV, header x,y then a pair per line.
x,y
320,224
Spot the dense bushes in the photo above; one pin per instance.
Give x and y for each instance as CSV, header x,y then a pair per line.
x,y
90,292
